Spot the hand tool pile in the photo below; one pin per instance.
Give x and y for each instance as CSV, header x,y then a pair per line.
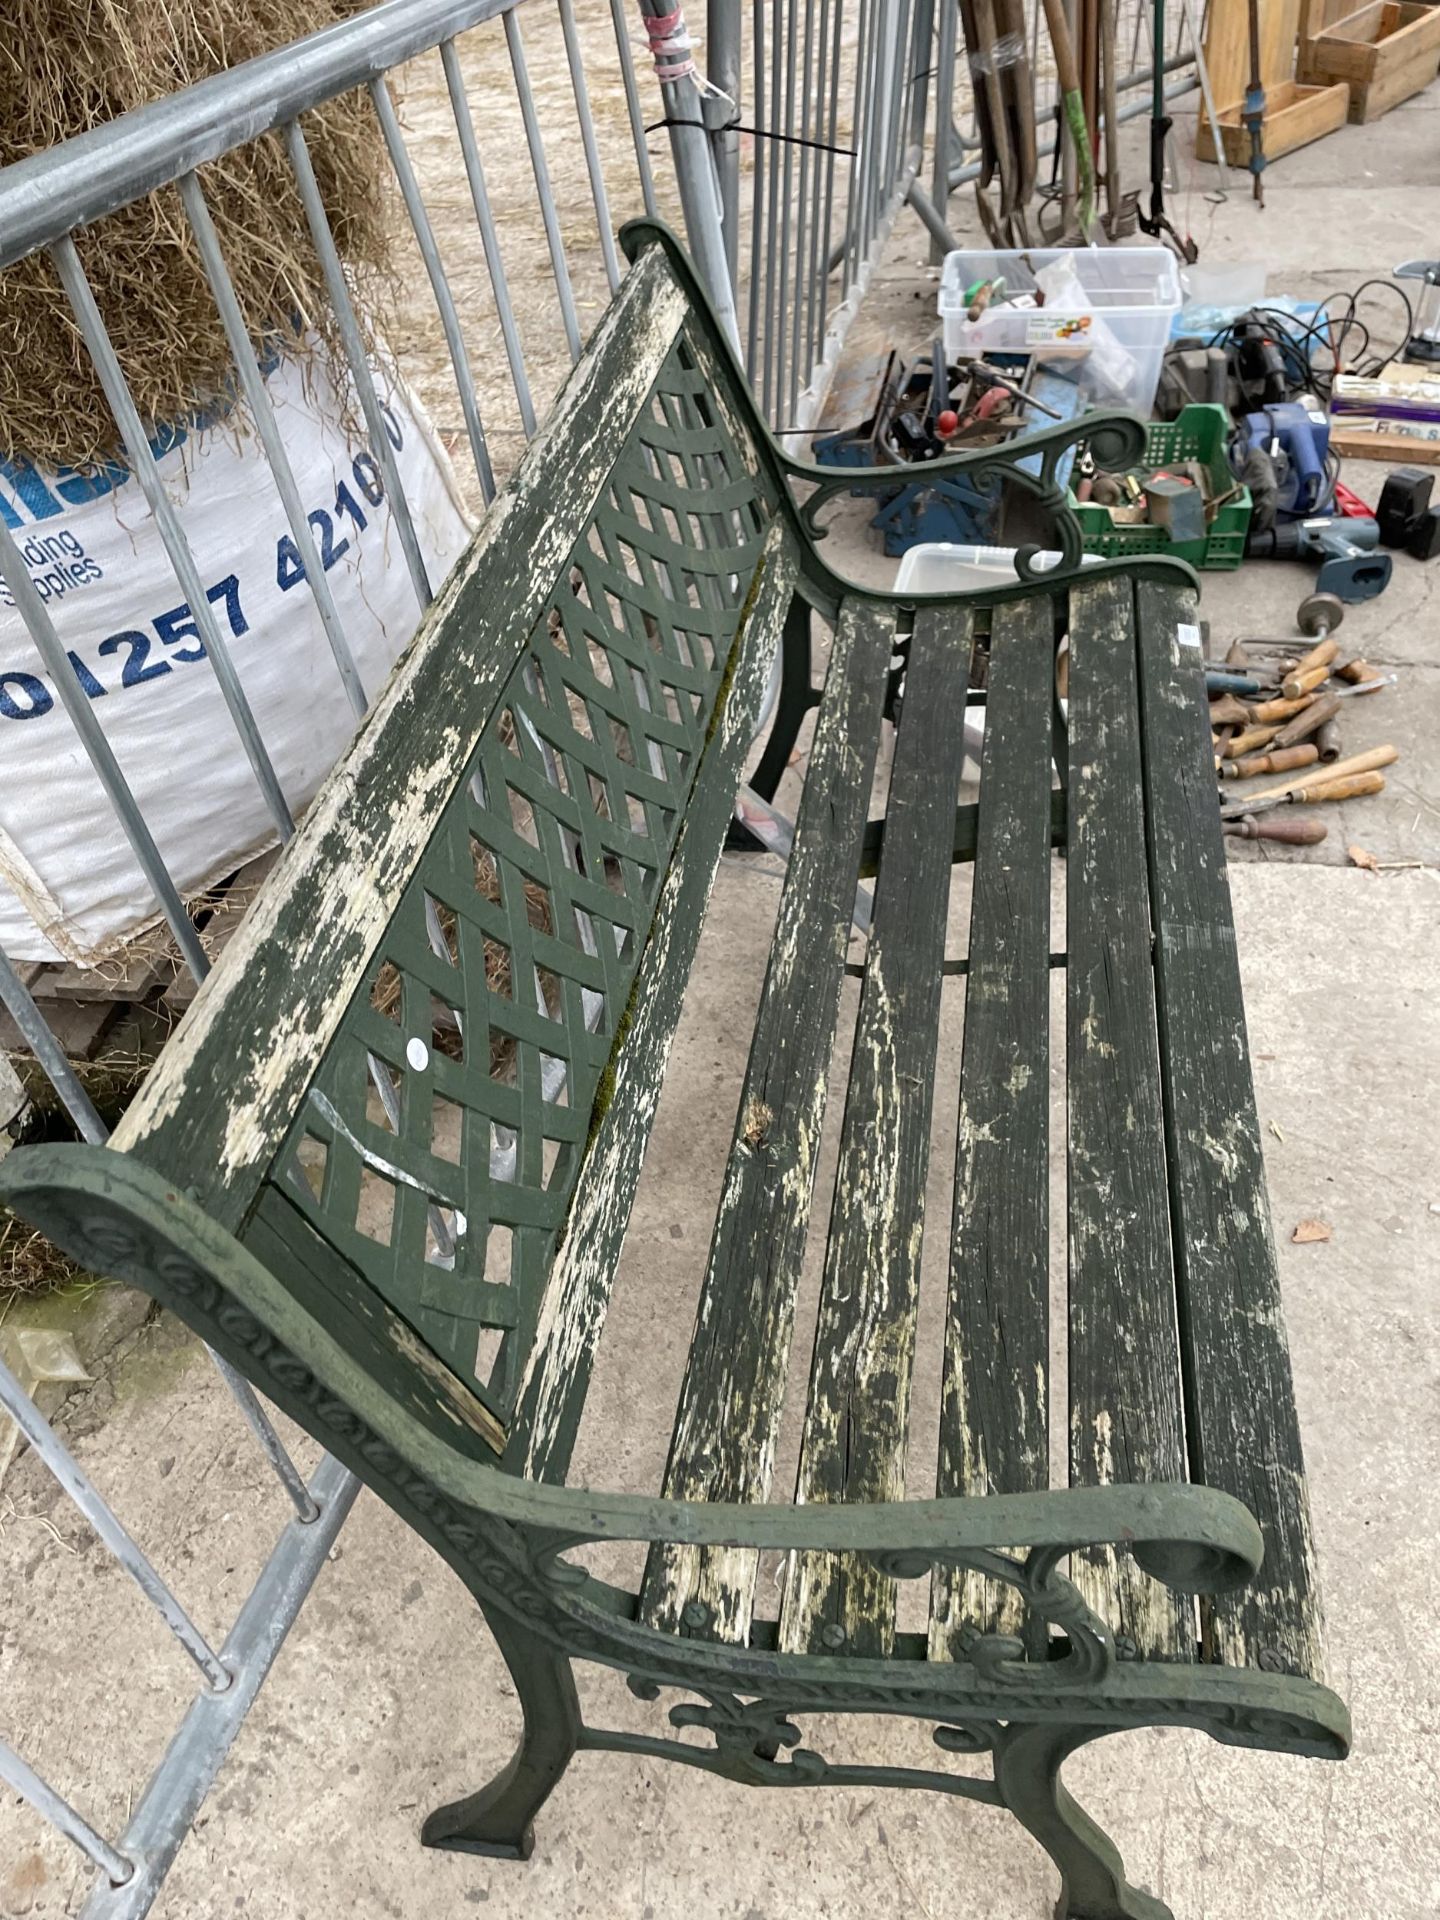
x,y
1276,709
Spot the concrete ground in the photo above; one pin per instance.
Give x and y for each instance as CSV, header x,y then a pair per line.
x,y
389,1696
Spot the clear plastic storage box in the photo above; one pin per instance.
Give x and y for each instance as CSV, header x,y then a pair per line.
x,y
1132,294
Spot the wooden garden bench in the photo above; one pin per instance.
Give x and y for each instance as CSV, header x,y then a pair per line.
x,y
386,1164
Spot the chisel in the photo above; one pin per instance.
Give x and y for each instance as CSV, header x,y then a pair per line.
x,y
1368,762
1351,787
1364,686
1227,711
1307,722
1298,683
1356,670
1293,833
1318,656
1250,741
1286,761
1268,710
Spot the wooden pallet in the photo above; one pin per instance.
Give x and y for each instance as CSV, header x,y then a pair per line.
x,y
81,1004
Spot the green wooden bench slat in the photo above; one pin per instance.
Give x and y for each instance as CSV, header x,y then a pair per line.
x,y
1242,1429
1125,1407
577,1290
994,1428
723,1446
261,1026
857,1416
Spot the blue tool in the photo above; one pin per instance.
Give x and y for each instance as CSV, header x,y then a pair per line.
x,y
1297,440
1351,566
959,508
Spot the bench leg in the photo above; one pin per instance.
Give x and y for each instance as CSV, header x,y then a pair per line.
x,y
796,697
499,1820
1092,1875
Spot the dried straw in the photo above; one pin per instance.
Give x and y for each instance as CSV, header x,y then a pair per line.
x,y
68,65
28,1262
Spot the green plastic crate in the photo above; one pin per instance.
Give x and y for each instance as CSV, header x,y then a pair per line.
x,y
1199,434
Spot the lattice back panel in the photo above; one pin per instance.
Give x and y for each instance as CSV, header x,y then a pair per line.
x,y
442,1135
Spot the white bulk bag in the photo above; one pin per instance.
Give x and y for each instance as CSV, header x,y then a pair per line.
x,y
69,885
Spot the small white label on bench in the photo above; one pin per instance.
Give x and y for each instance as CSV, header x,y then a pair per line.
x,y
1188,636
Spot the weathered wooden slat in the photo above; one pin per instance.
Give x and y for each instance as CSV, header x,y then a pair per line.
x,y
577,1290
994,1433
723,1447
1125,1406
857,1415
263,1019
1242,1429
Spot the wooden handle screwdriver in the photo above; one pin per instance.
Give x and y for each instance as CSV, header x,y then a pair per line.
x,y
1293,833
1328,741
1285,761
1309,721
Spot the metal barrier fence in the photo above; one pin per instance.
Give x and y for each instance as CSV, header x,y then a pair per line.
x,y
792,160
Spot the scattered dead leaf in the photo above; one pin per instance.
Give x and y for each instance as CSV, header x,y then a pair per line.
x,y
1362,857
1310,1231
1275,1129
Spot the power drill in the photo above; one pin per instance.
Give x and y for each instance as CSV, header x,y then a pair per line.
x,y
1351,565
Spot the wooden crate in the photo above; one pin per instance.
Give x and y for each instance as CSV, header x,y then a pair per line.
x,y
1384,53
1295,115
1295,111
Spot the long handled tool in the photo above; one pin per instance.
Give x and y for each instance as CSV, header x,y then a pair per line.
x,y
985,65
1156,224
1073,107
1020,102
1254,111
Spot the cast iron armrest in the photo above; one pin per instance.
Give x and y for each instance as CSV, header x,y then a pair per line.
x,y
1194,1539
117,1216
1115,439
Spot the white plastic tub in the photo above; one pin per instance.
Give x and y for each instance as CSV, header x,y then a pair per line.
x,y
1132,291
945,566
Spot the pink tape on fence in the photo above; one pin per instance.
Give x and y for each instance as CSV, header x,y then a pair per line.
x,y
670,45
